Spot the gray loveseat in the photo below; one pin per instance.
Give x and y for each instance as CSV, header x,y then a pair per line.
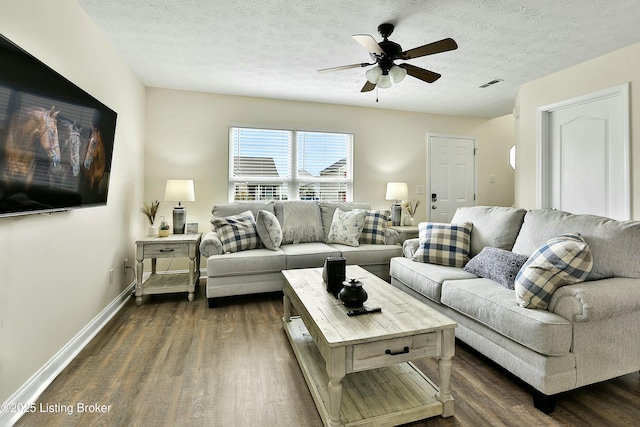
x,y
590,331
305,227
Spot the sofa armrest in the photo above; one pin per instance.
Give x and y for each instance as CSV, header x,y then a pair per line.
x,y
210,245
409,247
391,237
596,300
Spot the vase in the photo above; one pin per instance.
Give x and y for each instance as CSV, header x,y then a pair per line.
x,y
412,221
152,230
352,294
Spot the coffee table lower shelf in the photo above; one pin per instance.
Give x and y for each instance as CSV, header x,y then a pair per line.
x,y
388,396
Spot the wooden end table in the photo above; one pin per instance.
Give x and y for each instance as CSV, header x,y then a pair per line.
x,y
358,369
172,246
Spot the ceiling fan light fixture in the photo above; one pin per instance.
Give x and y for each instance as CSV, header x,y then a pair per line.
x,y
384,81
397,73
373,74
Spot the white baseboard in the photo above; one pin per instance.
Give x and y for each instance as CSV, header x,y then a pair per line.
x,y
29,392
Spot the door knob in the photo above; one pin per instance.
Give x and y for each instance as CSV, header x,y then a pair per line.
x,y
434,207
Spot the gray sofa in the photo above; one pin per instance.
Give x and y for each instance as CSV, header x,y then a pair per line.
x,y
590,331
259,270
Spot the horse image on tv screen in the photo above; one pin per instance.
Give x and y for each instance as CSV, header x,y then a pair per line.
x,y
51,156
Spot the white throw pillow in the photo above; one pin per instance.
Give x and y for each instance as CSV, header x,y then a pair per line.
x,y
269,230
346,227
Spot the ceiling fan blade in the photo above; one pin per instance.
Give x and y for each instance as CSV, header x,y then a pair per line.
x,y
368,87
369,43
421,73
443,45
344,67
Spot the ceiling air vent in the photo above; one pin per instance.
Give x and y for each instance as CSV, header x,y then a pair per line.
x,y
492,82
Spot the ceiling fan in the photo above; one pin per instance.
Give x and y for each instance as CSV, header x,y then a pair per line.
x,y
386,52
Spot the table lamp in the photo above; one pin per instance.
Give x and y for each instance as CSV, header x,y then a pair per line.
x,y
179,190
396,191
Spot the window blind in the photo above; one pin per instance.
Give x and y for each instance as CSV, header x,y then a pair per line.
x,y
268,164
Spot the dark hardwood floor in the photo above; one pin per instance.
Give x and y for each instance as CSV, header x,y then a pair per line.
x,y
170,362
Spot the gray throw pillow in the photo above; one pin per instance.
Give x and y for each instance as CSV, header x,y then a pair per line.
x,y
497,264
269,230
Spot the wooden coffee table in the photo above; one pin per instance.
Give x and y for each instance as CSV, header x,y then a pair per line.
x,y
358,368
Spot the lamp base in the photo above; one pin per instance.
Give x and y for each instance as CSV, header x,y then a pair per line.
x,y
396,213
179,219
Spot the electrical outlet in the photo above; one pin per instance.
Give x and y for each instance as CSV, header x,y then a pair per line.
x,y
111,276
125,265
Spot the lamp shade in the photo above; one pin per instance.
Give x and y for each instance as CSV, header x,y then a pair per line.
x,y
397,191
397,73
373,74
179,190
384,81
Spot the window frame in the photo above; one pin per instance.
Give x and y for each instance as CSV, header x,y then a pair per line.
x,y
294,181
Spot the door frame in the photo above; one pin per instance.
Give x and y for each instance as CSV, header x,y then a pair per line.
x,y
428,168
543,141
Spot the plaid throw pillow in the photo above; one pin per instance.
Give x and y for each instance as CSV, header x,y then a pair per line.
x,y
444,244
237,232
563,260
375,227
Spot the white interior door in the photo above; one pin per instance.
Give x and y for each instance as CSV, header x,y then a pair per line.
x,y
452,175
587,155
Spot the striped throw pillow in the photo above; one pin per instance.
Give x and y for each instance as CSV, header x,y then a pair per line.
x,y
375,227
563,260
237,232
444,244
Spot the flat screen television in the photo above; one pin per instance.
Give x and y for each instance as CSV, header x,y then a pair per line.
x,y
56,140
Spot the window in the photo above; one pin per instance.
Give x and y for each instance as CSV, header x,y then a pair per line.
x,y
270,164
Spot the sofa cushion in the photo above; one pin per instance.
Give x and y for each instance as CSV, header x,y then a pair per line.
x,y
301,222
493,226
375,227
497,264
562,261
255,261
367,253
444,244
346,227
269,229
610,241
494,306
237,232
426,279
308,255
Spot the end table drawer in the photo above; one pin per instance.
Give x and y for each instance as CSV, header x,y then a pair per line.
x,y
396,350
169,251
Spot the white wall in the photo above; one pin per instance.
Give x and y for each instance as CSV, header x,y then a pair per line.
x,y
187,137
54,270
609,70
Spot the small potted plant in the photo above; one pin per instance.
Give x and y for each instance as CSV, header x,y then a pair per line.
x,y
151,210
164,227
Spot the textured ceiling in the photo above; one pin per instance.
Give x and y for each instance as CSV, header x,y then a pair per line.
x,y
273,48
